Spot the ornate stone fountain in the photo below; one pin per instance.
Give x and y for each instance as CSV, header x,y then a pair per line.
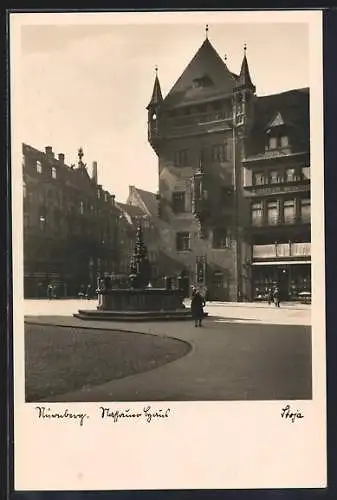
x,y
138,302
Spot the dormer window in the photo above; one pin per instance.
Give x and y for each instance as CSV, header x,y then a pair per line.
x,y
276,131
53,172
284,141
272,143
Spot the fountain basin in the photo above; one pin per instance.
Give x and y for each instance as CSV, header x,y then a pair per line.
x,y
149,304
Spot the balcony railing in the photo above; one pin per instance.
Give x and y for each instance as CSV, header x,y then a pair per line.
x,y
282,250
197,119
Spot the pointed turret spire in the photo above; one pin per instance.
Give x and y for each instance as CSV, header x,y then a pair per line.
x,y
157,97
244,80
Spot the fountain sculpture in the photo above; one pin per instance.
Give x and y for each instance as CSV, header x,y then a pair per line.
x,y
140,301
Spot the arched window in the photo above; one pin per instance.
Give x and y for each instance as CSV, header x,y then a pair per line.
x,y
53,172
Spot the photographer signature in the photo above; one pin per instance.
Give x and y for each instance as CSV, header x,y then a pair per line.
x,y
292,415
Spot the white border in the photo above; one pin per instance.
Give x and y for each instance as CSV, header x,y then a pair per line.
x,y
205,445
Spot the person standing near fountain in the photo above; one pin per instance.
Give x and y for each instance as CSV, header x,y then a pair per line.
x,y
197,308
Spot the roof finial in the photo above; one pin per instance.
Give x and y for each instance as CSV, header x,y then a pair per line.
x,y
245,48
156,69
225,57
206,31
80,155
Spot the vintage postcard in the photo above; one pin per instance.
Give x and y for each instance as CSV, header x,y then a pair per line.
x,y
168,250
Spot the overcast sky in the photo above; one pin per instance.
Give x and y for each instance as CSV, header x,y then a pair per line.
x,y
89,85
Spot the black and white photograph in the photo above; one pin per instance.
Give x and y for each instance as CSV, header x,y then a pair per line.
x,y
168,246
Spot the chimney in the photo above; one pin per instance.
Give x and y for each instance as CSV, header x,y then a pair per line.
x,y
94,171
49,152
61,158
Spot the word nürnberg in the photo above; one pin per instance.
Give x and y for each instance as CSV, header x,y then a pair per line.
x,y
288,413
44,413
147,413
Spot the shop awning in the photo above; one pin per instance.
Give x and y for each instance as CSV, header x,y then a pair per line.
x,y
280,262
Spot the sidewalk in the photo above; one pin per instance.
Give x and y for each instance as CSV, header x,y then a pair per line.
x,y
261,313
258,305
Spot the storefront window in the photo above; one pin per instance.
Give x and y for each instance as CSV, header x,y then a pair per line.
x,y
272,213
257,214
289,213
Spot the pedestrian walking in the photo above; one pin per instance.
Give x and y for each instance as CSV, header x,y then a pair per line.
x,y
197,308
50,291
276,297
89,292
270,295
81,292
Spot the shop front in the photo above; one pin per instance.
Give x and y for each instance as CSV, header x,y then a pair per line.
x,y
292,278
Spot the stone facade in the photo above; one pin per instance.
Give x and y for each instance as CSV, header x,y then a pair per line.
x,y
71,224
202,133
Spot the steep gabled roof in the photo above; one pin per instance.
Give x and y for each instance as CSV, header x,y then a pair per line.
x,y
131,210
208,68
293,106
148,199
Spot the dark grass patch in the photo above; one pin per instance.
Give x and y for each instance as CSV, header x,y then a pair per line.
x,y
60,360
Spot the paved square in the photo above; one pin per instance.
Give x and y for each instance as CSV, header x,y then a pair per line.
x,y
234,357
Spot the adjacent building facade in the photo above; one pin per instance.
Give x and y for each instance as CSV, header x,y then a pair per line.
x,y
70,224
234,179
276,169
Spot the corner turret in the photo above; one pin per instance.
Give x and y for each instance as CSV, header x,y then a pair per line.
x,y
244,91
153,110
